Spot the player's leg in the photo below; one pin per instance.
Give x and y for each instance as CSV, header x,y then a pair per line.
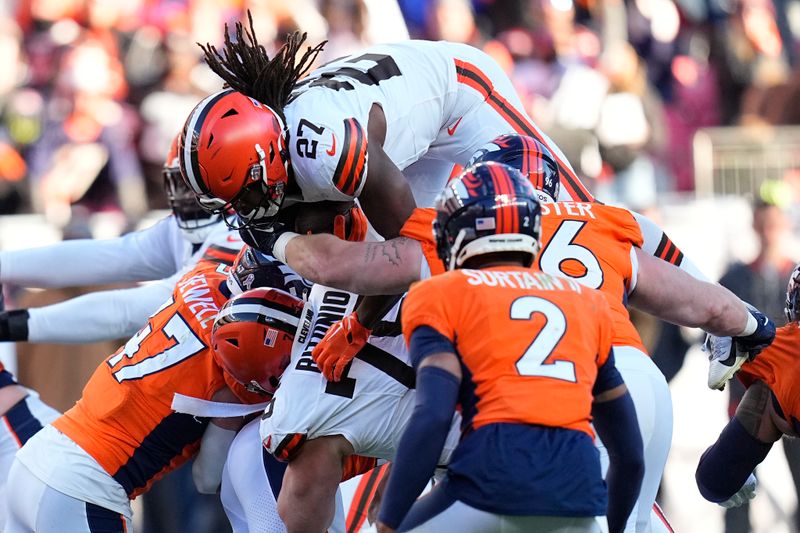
x,y
18,423
34,506
246,489
490,106
650,394
438,512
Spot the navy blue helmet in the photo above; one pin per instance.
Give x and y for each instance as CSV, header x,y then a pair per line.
x,y
489,208
530,157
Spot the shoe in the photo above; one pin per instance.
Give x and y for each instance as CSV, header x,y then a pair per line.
x,y
724,360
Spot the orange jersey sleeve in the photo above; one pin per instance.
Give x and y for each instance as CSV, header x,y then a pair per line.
x,y
419,227
778,366
124,418
594,245
532,342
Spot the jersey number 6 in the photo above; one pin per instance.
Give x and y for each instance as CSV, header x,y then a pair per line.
x,y
562,248
532,362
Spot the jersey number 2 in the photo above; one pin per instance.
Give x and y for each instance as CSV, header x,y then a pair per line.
x,y
532,362
185,344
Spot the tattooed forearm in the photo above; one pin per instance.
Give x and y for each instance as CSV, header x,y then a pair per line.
x,y
388,251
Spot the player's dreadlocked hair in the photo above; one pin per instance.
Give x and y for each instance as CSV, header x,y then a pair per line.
x,y
245,66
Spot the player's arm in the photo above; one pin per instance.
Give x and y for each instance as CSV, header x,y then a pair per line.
x,y
614,418
366,268
672,294
386,197
438,381
217,438
724,473
98,316
306,501
138,256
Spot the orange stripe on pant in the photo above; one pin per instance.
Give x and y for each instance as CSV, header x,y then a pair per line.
x,y
365,492
472,76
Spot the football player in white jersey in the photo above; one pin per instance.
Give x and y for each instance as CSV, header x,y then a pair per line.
x,y
313,424
162,252
386,126
169,248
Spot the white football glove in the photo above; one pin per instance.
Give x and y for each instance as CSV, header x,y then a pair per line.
x,y
724,359
747,492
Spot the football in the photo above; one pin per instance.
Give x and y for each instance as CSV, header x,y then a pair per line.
x,y
318,217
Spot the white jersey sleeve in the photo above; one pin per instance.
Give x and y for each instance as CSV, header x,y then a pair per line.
x,y
107,315
658,244
103,315
152,253
366,406
329,153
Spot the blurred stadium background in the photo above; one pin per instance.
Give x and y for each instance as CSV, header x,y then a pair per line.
x,y
686,110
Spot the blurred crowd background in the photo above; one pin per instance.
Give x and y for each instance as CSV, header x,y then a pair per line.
x,y
92,90
686,110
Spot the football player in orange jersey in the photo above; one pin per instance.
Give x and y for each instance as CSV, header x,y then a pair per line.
x,y
769,409
80,473
528,357
22,414
597,245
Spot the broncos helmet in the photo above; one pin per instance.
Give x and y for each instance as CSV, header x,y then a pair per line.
x,y
792,305
194,221
252,337
530,157
253,269
489,208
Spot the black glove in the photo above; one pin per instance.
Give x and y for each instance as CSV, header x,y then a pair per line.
x,y
14,325
758,340
261,239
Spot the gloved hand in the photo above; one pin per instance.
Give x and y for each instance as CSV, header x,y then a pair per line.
x,y
261,239
339,346
758,340
358,225
747,492
14,325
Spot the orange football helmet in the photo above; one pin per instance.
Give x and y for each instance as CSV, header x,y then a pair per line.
x,y
233,155
253,334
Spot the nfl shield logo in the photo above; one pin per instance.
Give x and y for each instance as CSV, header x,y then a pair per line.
x,y
271,337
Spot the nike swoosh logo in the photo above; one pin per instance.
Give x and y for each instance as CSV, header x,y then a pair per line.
x,y
452,129
332,151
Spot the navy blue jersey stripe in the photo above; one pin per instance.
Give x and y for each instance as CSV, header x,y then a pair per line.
x,y
6,379
102,520
22,422
164,443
